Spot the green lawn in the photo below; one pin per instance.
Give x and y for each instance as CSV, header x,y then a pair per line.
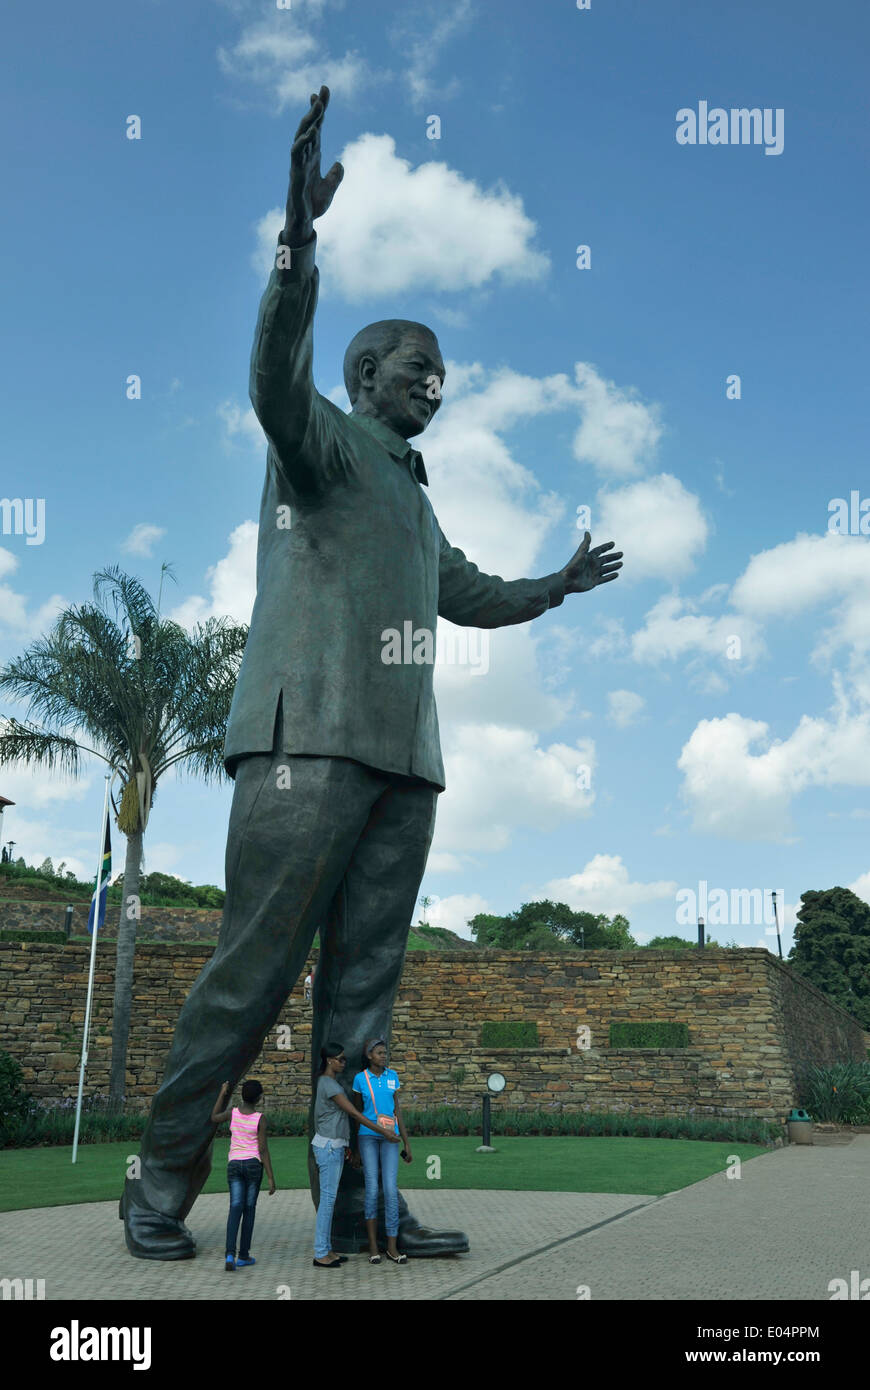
x,y
45,1177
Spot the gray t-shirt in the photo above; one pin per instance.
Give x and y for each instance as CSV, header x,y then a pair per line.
x,y
329,1120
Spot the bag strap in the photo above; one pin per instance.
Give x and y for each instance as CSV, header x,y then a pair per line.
x,y
371,1092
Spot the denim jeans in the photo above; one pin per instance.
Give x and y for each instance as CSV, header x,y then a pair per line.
x,y
381,1154
330,1164
244,1176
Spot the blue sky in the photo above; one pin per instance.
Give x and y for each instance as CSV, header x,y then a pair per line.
x,y
746,765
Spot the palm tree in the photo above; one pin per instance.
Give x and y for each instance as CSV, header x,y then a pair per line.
x,y
143,695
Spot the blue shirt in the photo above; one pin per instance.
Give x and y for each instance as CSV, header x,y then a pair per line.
x,y
385,1087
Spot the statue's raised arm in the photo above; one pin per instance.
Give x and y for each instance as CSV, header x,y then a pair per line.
x,y
310,194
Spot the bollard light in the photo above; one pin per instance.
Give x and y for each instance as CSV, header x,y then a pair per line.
x,y
495,1084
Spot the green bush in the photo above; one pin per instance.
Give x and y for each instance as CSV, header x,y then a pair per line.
x,y
57,938
839,1094
649,1034
14,1100
512,1034
55,1125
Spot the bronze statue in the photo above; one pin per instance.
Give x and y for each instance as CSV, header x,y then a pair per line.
x,y
334,751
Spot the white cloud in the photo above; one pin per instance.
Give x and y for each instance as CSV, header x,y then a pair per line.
x,y
740,793
624,707
287,60
241,422
828,571
143,538
604,886
657,523
29,787
499,779
384,231
17,619
420,39
232,583
861,886
673,629
619,433
455,912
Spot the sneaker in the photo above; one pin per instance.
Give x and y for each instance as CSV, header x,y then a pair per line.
x,y
230,1264
249,1261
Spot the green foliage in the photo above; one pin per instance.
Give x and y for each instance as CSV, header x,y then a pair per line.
x,y
55,938
14,1100
649,1034
56,1125
513,1033
678,943
162,890
155,890
548,926
832,948
838,1094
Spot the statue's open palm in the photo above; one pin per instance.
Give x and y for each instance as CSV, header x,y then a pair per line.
x,y
310,192
588,568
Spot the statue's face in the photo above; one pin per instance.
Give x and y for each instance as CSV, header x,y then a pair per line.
x,y
401,389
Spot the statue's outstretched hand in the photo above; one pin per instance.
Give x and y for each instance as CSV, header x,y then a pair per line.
x,y
310,193
588,568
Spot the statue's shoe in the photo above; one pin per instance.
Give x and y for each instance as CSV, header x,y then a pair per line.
x,y
418,1242
151,1235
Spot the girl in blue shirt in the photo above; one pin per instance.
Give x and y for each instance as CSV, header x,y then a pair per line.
x,y
376,1093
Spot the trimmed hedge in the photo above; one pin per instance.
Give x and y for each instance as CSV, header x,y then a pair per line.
x,y
56,938
511,1034
55,1126
649,1034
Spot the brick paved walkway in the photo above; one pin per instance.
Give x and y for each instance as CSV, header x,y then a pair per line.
x,y
796,1218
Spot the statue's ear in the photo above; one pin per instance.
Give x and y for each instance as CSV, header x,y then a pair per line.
x,y
367,369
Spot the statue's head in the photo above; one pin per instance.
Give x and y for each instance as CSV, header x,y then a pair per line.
x,y
393,370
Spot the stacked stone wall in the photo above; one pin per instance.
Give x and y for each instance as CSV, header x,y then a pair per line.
x,y
754,1027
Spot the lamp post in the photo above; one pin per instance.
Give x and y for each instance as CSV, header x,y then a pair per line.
x,y
701,941
776,920
495,1084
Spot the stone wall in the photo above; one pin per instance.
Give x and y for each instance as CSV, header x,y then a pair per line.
x,y
156,923
754,1027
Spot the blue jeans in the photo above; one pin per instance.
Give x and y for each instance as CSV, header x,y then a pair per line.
x,y
381,1154
330,1164
244,1176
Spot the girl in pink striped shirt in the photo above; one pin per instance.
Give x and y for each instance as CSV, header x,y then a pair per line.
x,y
249,1154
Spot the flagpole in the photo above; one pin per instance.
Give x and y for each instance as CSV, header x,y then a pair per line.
x,y
98,886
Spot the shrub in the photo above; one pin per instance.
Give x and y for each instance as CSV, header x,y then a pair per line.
x,y
14,1100
518,1033
839,1094
56,938
649,1034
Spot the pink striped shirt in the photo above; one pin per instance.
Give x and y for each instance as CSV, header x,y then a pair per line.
x,y
243,1129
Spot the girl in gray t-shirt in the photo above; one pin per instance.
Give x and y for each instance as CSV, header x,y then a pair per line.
x,y
331,1144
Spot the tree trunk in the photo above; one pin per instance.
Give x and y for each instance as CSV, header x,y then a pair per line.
x,y
127,924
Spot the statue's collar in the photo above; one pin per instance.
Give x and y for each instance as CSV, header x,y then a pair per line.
x,y
392,442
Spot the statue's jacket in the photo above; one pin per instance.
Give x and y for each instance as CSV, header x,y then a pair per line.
x,y
349,549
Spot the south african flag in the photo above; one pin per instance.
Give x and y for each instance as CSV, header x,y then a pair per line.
x,y
100,890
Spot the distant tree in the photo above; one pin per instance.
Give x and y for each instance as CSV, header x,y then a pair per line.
x,y
676,943
46,868
832,948
547,926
